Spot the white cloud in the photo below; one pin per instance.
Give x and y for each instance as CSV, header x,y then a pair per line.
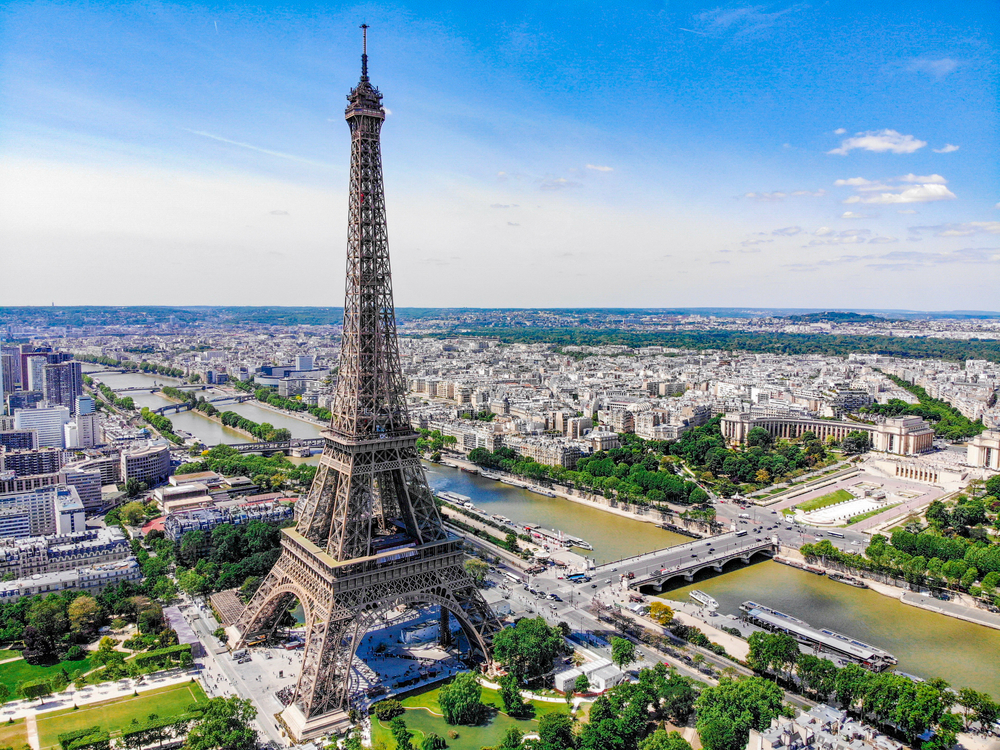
x,y
839,131
882,240
906,211
961,230
855,240
936,68
751,243
787,231
846,237
915,194
746,21
853,182
929,178
822,231
781,195
948,148
558,183
852,215
880,141
387,110
600,168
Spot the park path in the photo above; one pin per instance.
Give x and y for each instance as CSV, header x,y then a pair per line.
x,y
31,726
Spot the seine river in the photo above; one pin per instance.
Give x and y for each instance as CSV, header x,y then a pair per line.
x,y
206,430
927,644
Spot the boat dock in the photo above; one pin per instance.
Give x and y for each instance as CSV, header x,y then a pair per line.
x,y
839,645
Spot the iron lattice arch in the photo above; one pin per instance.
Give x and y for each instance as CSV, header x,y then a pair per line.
x,y
368,534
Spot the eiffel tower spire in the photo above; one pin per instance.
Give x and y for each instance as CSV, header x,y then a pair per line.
x,y
368,535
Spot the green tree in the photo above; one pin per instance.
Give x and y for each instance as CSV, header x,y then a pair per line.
x,y
772,651
401,734
510,694
433,742
555,731
582,684
462,700
727,712
83,614
476,569
528,648
225,724
758,436
511,739
622,652
133,513
192,583
818,676
661,739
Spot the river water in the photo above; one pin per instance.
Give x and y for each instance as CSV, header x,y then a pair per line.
x,y
927,644
196,423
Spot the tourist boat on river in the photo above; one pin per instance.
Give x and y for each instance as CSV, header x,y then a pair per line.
x,y
555,536
489,475
704,599
819,639
841,578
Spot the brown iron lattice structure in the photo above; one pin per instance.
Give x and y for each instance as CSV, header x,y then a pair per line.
x,y
368,535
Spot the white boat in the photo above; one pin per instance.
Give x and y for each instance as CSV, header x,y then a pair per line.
x,y
704,599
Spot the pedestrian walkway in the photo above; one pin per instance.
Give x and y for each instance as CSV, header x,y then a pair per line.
x,y
952,609
31,726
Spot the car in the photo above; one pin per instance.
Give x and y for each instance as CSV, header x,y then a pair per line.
x,y
774,512
607,582
555,597
694,554
593,585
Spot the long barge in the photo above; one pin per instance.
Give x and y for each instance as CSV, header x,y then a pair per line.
x,y
819,639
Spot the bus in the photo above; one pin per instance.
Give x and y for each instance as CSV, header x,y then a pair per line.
x,y
836,534
510,576
576,577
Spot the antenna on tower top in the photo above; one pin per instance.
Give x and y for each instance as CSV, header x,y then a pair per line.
x,y
364,52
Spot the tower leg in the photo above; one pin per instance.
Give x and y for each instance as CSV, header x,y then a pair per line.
x,y
444,637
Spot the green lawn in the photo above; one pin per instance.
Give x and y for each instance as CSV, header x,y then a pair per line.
x,y
14,735
19,670
423,716
837,496
114,714
869,514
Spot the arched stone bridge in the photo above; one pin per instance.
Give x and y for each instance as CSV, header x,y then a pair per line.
x,y
686,560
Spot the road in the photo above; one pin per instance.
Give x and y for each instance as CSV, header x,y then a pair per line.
x,y
691,556
219,675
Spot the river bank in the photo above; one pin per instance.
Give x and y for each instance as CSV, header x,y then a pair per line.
x,y
210,418
959,606
301,416
641,513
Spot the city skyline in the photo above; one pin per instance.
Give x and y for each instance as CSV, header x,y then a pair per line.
x,y
688,156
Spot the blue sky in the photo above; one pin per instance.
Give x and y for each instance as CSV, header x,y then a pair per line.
x,y
826,154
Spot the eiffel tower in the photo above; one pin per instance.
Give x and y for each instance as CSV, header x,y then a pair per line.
x,y
368,536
